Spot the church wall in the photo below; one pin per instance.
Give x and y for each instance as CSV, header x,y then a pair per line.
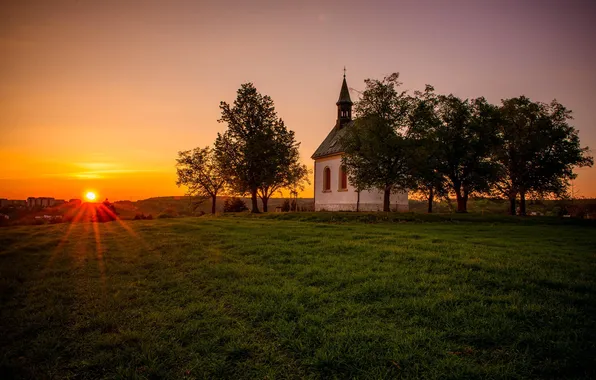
x,y
342,200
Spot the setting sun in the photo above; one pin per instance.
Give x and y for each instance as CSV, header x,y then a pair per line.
x,y
90,196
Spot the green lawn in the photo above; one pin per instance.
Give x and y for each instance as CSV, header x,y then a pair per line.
x,y
241,297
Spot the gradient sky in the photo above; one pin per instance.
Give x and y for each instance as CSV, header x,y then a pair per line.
x,y
103,94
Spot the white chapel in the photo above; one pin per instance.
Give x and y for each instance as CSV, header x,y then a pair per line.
x,y
333,192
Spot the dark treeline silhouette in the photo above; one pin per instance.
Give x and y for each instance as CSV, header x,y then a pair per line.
x,y
442,145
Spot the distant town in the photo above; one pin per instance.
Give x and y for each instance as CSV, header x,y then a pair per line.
x,y
37,202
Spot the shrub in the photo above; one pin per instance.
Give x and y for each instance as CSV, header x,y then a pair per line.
x,y
285,207
234,205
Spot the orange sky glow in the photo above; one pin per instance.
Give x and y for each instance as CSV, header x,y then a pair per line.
x,y
101,95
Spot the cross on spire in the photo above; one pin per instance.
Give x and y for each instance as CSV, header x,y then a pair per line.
x,y
344,71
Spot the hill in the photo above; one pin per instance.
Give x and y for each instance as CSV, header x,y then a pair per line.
x,y
182,206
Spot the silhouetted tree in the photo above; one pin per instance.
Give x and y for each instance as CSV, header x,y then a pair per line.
x,y
375,148
466,137
538,150
426,152
200,172
259,154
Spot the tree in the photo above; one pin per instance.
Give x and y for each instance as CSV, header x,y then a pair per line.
x,y
201,173
538,150
375,148
375,157
289,173
259,154
425,155
466,136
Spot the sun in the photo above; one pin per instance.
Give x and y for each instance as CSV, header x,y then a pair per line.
x,y
90,196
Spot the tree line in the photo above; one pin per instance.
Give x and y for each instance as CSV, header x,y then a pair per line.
x,y
257,155
442,145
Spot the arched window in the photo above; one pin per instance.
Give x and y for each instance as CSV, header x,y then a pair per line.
x,y
343,178
327,179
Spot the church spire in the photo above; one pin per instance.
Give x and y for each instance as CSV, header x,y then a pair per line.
x,y
344,104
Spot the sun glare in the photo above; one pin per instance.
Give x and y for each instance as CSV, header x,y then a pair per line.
x,y
90,196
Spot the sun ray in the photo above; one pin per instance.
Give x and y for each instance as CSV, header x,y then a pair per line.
x,y
77,217
99,254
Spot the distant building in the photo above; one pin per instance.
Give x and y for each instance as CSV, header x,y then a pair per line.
x,y
12,202
40,202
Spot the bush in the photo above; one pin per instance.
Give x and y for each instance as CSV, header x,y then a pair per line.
x,y
285,207
234,205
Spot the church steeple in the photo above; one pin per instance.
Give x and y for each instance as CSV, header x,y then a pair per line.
x,y
344,104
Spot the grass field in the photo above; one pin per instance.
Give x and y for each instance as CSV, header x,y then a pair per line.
x,y
242,297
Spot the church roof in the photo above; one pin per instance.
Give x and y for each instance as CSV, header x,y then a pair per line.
x,y
332,143
344,94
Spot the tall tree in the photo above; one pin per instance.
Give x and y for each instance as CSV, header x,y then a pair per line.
x,y
375,157
425,155
538,150
375,147
258,152
201,173
467,135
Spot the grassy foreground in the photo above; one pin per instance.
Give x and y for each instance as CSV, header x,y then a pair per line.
x,y
265,298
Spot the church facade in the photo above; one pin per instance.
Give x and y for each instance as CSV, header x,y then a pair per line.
x,y
333,192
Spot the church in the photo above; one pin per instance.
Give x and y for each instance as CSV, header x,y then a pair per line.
x,y
333,192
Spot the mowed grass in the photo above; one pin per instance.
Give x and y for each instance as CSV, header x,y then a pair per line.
x,y
263,298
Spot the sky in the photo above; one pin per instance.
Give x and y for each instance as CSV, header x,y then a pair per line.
x,y
101,95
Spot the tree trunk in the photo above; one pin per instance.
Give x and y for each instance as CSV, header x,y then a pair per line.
x,y
522,203
255,204
431,196
358,202
386,199
512,210
462,201
213,201
265,200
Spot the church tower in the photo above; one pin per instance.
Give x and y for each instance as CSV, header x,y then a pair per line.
x,y
344,105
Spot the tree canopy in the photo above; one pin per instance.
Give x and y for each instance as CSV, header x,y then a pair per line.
x,y
538,150
258,153
425,156
466,136
200,172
